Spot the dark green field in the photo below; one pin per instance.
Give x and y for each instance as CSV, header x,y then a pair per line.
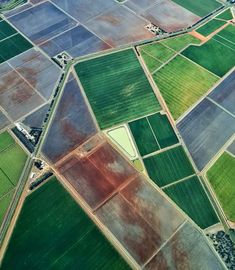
x,y
12,162
144,136
228,33
152,133
213,56
222,178
199,7
168,166
192,199
117,88
6,30
53,232
226,15
13,46
162,130
210,27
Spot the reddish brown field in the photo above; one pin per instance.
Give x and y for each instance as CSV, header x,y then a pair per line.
x,y
139,215
98,176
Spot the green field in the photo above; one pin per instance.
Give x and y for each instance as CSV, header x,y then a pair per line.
x,y
199,7
213,56
228,33
190,196
210,27
226,15
117,88
158,51
151,62
144,137
13,46
180,42
222,178
53,232
6,30
152,133
12,161
168,166
182,83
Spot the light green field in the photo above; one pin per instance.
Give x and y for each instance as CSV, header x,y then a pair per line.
x,y
213,55
210,27
151,63
121,138
180,42
182,83
12,161
228,33
158,51
117,88
222,178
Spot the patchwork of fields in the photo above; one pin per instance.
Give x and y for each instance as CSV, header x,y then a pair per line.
x,y
52,225
12,162
117,88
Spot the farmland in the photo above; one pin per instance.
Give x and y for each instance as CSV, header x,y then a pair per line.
x,y
205,130
225,15
72,124
168,166
52,225
176,78
222,178
180,42
199,7
210,27
152,133
151,62
11,42
204,56
12,161
130,96
190,196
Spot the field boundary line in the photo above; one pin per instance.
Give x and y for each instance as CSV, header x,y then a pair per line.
x,y
153,133
4,195
225,45
15,34
230,153
179,181
221,107
224,39
162,150
7,178
167,241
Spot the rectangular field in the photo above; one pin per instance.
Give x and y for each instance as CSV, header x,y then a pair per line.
x,y
97,176
224,93
6,30
210,27
199,7
12,162
190,196
72,124
168,166
77,42
51,225
46,21
4,121
191,247
13,46
222,178
153,133
205,130
225,15
117,88
151,62
176,78
205,56
140,208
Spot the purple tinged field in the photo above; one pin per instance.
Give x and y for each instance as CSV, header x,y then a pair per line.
x,y
71,126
